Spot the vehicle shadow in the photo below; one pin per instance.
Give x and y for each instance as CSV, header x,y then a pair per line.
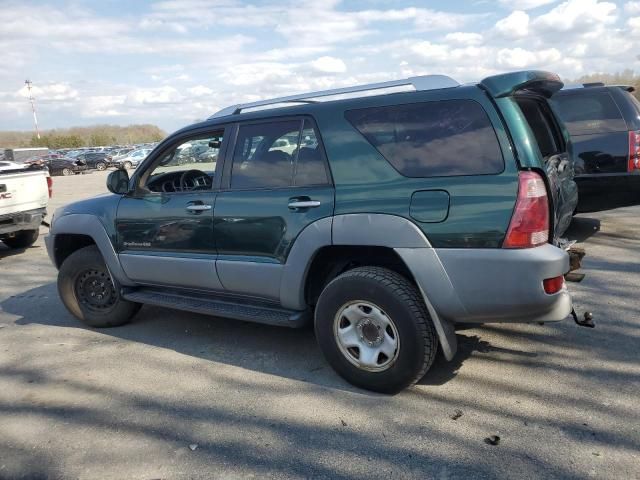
x,y
289,353
582,228
10,252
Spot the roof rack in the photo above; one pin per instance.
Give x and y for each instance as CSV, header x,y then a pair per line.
x,y
628,88
572,86
424,82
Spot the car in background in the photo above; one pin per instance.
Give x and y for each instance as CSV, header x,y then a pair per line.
x,y
117,152
131,159
604,125
97,160
59,165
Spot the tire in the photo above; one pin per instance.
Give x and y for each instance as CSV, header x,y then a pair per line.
x,y
127,165
66,172
101,166
398,307
22,239
82,279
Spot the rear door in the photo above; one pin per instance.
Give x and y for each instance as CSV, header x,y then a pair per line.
x,y
558,164
599,133
270,193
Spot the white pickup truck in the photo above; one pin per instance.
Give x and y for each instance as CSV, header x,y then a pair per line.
x,y
24,194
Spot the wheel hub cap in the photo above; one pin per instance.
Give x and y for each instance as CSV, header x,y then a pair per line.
x,y
94,289
366,336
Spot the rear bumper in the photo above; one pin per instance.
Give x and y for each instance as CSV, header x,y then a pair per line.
x,y
491,285
15,222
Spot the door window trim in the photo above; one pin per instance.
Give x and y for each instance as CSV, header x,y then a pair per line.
x,y
225,185
172,142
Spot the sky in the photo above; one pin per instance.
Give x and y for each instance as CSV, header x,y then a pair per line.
x,y
175,62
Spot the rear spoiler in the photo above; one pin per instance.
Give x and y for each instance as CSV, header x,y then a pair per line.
x,y
537,81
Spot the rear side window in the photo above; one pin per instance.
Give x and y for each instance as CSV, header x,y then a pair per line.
x,y
542,124
584,114
432,139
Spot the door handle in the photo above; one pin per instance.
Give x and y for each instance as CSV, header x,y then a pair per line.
x,y
198,208
304,204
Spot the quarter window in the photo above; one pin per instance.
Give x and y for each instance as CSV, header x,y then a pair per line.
x,y
432,139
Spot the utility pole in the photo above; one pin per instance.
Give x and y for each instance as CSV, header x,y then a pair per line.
x,y
33,107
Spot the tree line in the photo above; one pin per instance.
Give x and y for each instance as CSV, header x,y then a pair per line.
x,y
93,136
626,77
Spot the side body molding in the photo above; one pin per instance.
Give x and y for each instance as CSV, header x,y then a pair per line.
x,y
85,224
369,229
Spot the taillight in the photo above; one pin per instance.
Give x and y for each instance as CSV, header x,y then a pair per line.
x,y
50,186
634,151
529,225
553,285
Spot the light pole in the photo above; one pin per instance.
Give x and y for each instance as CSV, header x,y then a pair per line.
x,y
33,107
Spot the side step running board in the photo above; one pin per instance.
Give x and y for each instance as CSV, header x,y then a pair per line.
x,y
238,309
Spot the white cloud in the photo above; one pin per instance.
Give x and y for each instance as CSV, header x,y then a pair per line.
x,y
515,25
632,8
574,15
200,91
147,96
464,38
525,4
511,58
52,92
328,64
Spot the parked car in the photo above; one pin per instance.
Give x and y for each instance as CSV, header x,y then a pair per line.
x,y
119,152
131,159
25,190
414,212
59,165
604,124
97,160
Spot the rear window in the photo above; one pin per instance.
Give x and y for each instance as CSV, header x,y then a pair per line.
x,y
584,114
432,139
543,125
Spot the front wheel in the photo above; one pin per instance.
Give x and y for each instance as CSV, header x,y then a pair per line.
x,y
374,329
67,171
22,239
87,290
101,166
127,165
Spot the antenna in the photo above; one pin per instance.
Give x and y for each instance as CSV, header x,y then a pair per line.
x,y
33,107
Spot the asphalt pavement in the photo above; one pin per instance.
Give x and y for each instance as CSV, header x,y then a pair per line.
x,y
180,395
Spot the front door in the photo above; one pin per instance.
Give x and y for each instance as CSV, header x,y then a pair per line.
x,y
165,228
276,182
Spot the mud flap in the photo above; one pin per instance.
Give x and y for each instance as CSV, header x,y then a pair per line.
x,y
445,330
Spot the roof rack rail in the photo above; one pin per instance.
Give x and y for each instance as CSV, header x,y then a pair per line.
x,y
571,86
424,82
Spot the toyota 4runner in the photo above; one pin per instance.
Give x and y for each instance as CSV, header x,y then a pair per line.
x,y
392,218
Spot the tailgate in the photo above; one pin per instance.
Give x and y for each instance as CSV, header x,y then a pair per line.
x,y
23,191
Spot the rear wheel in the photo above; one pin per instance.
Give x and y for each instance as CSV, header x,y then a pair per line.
x,y
101,166
66,172
87,290
22,239
127,165
374,329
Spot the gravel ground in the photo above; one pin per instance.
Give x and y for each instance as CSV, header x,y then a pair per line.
x,y
179,395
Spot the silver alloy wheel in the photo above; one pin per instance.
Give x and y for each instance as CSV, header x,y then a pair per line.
x,y
366,336
127,165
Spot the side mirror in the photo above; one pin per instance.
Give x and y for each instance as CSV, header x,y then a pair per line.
x,y
118,181
215,143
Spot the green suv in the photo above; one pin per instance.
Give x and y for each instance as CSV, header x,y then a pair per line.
x,y
385,214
